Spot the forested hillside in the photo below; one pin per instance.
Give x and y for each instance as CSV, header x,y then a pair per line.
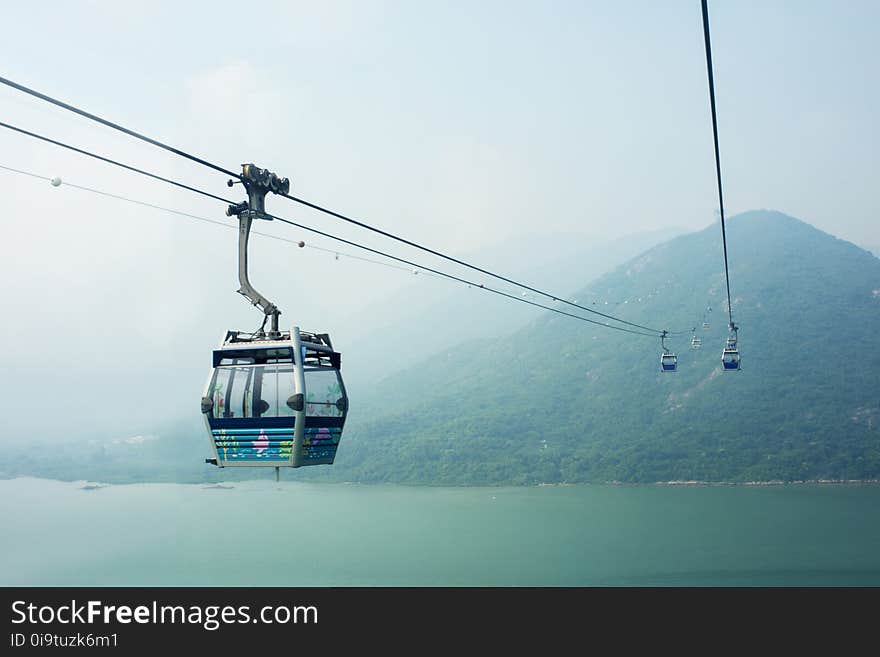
x,y
564,401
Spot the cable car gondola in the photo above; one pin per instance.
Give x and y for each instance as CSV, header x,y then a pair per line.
x,y
273,398
668,360
696,343
730,357
275,402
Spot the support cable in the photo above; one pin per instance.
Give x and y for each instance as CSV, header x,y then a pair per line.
x,y
314,206
356,245
717,155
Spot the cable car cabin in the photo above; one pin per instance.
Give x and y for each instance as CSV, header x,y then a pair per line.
x,y
696,342
668,362
705,326
730,358
278,403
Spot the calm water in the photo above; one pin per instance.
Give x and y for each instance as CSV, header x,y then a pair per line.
x,y
262,533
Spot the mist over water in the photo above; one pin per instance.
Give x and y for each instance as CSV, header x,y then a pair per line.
x,y
297,534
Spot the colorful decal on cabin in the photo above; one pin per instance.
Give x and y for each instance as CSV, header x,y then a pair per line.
x,y
266,444
320,443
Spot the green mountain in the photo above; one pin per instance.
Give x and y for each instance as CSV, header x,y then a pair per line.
x,y
564,401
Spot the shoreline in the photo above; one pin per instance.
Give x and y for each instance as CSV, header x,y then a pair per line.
x,y
87,484
771,482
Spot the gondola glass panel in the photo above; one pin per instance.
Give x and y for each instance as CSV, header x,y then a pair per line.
x,y
250,421
325,405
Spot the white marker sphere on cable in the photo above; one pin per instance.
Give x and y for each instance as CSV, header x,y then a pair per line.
x,y
56,181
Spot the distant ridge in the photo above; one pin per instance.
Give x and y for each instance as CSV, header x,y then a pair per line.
x,y
555,402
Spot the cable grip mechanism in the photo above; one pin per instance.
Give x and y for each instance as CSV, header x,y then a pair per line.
x,y
258,182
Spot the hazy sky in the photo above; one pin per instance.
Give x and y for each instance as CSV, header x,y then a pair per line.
x,y
458,124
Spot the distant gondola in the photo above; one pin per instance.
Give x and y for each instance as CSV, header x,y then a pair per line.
x,y
730,357
668,360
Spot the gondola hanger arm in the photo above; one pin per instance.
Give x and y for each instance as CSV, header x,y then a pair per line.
x,y
258,182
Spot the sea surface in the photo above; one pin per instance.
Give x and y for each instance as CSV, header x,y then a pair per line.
x,y
262,533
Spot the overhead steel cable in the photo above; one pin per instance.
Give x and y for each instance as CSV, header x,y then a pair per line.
x,y
142,203
459,279
110,124
364,248
320,208
113,162
717,155
457,261
188,215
